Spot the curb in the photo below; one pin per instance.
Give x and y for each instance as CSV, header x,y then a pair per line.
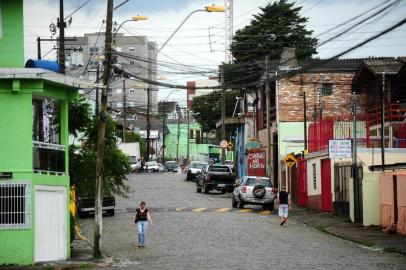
x,y
59,265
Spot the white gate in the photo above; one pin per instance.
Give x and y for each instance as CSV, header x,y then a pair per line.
x,y
50,223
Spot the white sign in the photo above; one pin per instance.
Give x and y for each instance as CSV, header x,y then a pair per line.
x,y
223,144
339,149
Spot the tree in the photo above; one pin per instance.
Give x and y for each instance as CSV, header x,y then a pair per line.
x,y
278,25
83,158
207,108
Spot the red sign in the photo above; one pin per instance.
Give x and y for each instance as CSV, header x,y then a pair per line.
x,y
256,162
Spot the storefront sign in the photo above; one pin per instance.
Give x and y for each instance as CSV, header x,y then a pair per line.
x,y
256,163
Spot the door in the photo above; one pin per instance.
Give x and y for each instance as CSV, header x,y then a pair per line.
x,y
326,196
50,223
302,182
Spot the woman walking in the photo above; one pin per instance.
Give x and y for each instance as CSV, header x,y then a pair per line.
x,y
142,218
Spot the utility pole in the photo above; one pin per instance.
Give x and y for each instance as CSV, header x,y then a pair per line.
x,y
124,111
148,122
188,135
354,159
61,25
320,98
39,48
178,133
101,134
223,114
383,99
163,135
304,115
268,118
97,88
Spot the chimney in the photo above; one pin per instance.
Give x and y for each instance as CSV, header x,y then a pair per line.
x,y
288,58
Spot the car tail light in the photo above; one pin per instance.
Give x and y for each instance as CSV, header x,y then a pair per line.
x,y
244,189
274,191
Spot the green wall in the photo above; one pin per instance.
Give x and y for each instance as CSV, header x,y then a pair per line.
x,y
12,34
16,156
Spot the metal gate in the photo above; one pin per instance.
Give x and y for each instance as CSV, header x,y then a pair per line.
x,y
342,175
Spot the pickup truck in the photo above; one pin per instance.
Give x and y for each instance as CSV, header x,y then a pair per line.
x,y
218,177
85,206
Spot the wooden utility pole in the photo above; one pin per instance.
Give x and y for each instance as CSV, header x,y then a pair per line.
x,y
383,100
124,111
163,135
178,134
148,122
223,114
268,119
61,25
188,135
101,134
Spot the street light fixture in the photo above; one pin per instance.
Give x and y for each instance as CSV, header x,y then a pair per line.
x,y
133,19
206,9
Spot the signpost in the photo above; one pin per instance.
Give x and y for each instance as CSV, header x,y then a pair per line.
x,y
339,149
290,160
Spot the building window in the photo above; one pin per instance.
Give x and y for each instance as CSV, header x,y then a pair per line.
x,y
131,49
191,134
14,204
132,63
119,91
93,49
131,90
327,89
314,176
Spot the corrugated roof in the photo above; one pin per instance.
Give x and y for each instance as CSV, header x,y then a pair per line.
x,y
322,65
388,65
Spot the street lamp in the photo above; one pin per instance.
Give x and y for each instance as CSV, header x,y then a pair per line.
x,y
206,9
133,19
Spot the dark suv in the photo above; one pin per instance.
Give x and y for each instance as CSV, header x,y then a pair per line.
x,y
85,206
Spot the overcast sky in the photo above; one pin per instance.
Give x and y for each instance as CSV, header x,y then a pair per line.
x,y
200,42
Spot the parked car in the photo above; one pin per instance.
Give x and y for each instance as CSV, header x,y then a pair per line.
x,y
85,206
254,190
151,166
171,166
218,177
195,168
161,168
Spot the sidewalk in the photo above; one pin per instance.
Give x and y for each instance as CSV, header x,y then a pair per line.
x,y
342,227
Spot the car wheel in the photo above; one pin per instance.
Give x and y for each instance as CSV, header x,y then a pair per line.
x,y
205,189
223,191
198,189
234,202
240,203
265,207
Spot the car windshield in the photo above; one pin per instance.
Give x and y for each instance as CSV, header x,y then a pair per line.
x,y
197,165
151,163
132,159
170,164
258,181
219,169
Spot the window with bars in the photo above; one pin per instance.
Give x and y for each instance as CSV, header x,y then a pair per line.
x,y
314,176
14,204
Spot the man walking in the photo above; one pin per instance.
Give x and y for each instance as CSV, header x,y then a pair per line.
x,y
284,205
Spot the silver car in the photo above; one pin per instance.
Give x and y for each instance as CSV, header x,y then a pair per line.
x,y
254,190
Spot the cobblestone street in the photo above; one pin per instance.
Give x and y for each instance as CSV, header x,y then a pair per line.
x,y
198,231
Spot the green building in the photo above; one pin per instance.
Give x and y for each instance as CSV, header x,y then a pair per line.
x,y
34,180
199,147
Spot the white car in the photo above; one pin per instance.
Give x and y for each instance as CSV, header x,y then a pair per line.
x,y
195,167
254,190
151,166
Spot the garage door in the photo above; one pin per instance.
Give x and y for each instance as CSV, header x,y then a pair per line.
x,y
50,223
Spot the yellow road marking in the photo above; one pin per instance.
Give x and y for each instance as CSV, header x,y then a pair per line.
x,y
223,210
266,212
180,209
247,210
199,209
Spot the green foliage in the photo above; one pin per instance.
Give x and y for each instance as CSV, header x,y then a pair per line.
x,y
82,160
278,25
207,108
134,137
79,116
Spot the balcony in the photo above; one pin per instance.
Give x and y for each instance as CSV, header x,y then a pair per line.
x,y
48,158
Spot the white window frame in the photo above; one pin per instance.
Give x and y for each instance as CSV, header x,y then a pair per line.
x,y
132,63
27,203
131,90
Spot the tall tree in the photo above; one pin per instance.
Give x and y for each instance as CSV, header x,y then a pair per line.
x,y
278,25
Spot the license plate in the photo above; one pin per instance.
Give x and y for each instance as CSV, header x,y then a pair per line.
x,y
221,185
